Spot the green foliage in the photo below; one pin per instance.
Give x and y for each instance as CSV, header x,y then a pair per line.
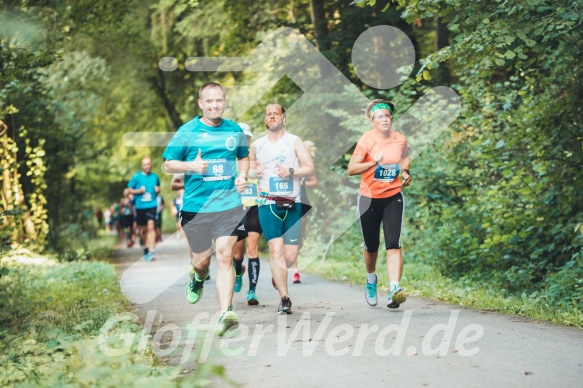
x,y
49,325
494,199
29,205
101,247
5,243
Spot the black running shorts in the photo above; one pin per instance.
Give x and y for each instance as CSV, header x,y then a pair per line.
x,y
202,228
252,220
145,215
374,211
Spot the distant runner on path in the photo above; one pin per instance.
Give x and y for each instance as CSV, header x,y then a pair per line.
x,y
253,228
145,186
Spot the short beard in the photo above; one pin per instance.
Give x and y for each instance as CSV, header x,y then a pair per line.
x,y
275,128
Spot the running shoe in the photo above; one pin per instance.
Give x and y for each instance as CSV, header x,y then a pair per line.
x,y
396,297
194,289
284,306
251,298
208,276
228,320
239,280
130,243
371,294
273,283
296,278
149,256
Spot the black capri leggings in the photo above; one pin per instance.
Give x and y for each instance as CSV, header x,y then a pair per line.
x,y
373,211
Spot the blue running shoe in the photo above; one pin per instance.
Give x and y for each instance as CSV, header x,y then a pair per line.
x,y
371,294
251,298
239,280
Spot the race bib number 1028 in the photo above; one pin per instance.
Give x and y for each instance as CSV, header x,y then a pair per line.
x,y
386,172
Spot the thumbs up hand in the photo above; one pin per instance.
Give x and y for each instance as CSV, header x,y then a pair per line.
x,y
198,164
282,171
259,170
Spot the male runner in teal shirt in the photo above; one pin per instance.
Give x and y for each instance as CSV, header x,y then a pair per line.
x,y
145,186
213,155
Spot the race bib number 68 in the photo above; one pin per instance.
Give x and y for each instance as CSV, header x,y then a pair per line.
x,y
218,170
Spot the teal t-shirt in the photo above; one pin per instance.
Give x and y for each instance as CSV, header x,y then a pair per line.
x,y
214,190
148,199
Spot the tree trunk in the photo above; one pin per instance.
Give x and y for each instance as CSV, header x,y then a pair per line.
x,y
320,25
318,14
159,85
441,41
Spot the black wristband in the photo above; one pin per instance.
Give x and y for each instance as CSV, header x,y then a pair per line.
x,y
407,171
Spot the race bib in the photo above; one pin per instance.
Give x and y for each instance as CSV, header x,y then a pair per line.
x,y
146,197
386,172
218,170
280,186
250,191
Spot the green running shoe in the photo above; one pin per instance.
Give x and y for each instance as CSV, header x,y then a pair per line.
x,y
228,319
239,280
194,288
371,294
396,297
208,276
251,298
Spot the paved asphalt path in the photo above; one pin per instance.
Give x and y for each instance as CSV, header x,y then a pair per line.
x,y
334,339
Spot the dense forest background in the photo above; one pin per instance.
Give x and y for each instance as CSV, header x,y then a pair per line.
x,y
496,198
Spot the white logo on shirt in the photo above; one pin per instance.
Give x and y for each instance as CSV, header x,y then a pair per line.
x,y
231,143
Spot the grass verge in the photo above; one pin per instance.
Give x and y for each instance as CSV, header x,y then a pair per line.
x,y
425,280
50,319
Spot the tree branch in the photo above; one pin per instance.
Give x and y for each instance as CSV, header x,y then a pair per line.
x,y
159,85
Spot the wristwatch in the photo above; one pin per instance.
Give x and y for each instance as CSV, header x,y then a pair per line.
x,y
291,171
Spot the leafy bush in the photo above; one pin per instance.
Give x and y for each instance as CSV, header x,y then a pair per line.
x,y
49,325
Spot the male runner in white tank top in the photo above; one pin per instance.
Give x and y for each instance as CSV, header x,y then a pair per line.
x,y
278,160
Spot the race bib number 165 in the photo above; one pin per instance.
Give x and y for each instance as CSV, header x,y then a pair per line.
x,y
280,185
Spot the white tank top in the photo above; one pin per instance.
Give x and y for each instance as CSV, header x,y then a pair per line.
x,y
282,152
